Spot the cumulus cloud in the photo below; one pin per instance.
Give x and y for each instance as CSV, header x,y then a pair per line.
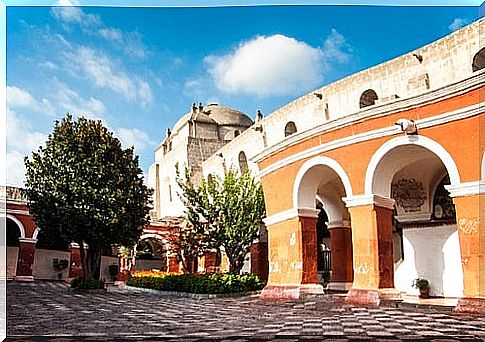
x,y
275,65
134,137
20,98
457,24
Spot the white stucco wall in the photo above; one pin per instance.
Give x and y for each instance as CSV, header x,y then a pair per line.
x,y
12,259
432,253
42,268
104,270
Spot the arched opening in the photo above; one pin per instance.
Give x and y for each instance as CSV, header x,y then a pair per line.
x,y
152,253
321,184
243,162
14,233
368,98
425,238
236,133
290,128
479,60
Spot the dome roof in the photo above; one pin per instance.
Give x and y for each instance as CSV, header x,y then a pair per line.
x,y
215,114
226,116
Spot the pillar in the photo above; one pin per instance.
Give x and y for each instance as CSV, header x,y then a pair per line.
x,y
173,264
292,256
341,247
371,218
259,259
469,199
76,267
25,259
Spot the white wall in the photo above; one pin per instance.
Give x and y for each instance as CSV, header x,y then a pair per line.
x,y
106,261
43,269
148,264
432,253
12,258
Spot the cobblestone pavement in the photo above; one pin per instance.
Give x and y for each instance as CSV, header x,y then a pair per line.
x,y
49,311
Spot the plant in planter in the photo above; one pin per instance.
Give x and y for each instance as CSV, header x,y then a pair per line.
x,y
423,285
113,271
59,265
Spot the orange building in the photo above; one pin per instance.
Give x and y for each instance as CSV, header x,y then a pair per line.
x,y
397,166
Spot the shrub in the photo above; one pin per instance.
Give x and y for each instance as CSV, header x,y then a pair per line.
x,y
210,283
87,284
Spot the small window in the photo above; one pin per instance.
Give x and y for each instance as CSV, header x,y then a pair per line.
x,y
368,98
479,60
170,193
243,162
290,128
236,133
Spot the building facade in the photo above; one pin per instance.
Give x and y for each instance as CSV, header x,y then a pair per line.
x,y
394,157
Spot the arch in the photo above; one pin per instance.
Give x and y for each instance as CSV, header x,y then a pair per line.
x,y
236,133
478,62
17,222
243,162
290,128
154,236
319,161
36,233
368,98
416,140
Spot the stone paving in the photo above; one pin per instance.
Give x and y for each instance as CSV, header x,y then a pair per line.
x,y
49,311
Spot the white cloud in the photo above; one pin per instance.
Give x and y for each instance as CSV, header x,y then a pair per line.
x,y
134,137
20,98
105,73
457,24
336,49
70,101
48,65
275,65
101,70
22,139
111,34
68,11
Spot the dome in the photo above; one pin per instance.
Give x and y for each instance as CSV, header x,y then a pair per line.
x,y
226,116
215,114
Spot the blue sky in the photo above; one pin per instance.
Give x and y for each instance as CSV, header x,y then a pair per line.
x,y
140,69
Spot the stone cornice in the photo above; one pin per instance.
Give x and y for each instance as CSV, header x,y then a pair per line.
x,y
359,200
466,189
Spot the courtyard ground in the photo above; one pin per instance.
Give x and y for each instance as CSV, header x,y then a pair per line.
x,y
49,311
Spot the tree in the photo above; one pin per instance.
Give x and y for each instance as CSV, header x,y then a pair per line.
x,y
229,212
83,187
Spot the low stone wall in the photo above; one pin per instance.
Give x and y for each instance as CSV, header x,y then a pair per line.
x,y
106,261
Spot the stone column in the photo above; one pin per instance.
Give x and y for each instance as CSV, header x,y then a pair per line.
x,y
25,259
341,247
371,218
293,256
469,199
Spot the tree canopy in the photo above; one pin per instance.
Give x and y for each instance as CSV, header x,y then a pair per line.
x,y
228,211
84,187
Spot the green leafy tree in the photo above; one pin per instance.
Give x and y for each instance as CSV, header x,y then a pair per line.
x,y
228,211
83,187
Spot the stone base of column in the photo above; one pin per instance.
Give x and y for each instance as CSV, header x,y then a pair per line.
x,y
273,292
24,278
471,305
372,297
339,286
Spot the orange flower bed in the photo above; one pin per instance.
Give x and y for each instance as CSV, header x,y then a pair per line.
x,y
152,273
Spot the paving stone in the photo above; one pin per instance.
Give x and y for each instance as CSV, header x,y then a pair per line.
x,y
122,315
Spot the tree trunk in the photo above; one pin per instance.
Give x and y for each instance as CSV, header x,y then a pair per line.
x,y
82,254
94,260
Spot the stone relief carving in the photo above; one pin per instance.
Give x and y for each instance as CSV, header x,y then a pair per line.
x,y
409,194
469,226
